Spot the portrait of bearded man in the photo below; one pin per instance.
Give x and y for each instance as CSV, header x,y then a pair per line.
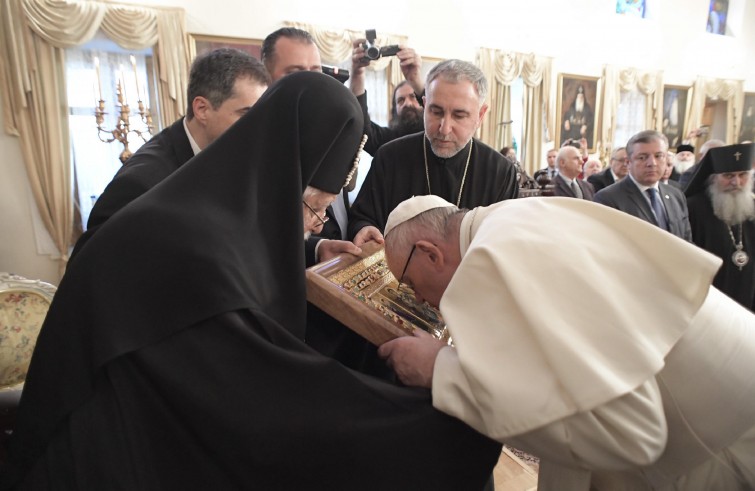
x,y
578,120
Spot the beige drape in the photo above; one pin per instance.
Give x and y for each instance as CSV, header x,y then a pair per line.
x,y
618,80
501,69
35,34
731,91
336,45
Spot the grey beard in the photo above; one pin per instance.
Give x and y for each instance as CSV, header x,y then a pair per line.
x,y
732,208
683,165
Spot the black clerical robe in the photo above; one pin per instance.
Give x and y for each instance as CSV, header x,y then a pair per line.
x,y
398,173
711,233
291,420
172,356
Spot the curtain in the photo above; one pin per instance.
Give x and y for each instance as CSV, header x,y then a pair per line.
x,y
501,69
35,34
618,80
731,91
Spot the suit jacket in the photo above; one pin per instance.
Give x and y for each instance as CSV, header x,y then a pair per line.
x,y
560,188
154,161
602,179
627,197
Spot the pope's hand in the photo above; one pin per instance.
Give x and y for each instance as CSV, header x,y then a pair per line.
x,y
413,357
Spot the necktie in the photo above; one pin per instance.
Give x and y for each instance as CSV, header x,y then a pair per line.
x,y
655,203
576,190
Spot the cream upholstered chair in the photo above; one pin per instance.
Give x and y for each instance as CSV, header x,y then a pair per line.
x,y
23,307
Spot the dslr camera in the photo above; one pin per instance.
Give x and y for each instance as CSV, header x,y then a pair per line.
x,y
373,52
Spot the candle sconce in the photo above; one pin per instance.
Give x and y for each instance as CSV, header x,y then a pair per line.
x,y
122,128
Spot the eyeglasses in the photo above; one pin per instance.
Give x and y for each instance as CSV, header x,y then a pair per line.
x,y
322,219
401,279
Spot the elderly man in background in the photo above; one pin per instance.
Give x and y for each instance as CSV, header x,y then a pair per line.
x,y
617,170
607,402
567,182
641,194
591,167
722,214
686,176
445,160
684,158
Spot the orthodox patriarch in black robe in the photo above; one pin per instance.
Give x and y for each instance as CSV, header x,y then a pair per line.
x,y
711,233
172,354
398,172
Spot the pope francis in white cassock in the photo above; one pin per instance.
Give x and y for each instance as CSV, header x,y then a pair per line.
x,y
584,336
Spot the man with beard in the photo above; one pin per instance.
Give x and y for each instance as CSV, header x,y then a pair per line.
x,y
721,211
445,160
684,158
578,120
406,112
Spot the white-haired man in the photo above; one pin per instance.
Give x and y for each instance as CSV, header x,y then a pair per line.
x,y
607,402
722,214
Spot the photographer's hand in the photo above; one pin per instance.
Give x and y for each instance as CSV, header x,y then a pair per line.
x,y
358,65
411,67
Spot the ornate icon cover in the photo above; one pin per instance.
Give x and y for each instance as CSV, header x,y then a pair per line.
x,y
362,293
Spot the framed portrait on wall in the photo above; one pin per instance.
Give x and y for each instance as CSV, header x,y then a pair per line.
x,y
199,44
576,106
718,12
675,106
747,128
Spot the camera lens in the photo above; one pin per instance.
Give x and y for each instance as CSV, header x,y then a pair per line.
x,y
372,52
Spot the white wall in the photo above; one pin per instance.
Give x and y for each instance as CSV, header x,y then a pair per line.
x,y
581,36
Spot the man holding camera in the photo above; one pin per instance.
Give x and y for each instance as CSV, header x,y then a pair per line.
x,y
406,115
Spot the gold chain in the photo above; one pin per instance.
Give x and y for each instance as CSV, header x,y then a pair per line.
x,y
463,178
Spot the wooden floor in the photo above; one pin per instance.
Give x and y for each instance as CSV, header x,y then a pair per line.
x,y
513,474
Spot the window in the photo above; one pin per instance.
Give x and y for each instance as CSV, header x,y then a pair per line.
x,y
630,117
94,162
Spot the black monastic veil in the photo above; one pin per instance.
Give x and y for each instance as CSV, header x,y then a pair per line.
x,y
172,355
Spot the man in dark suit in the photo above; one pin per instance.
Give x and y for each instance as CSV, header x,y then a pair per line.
x,y
567,182
616,170
641,194
223,85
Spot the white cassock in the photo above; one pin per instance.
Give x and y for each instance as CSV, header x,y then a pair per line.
x,y
595,341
